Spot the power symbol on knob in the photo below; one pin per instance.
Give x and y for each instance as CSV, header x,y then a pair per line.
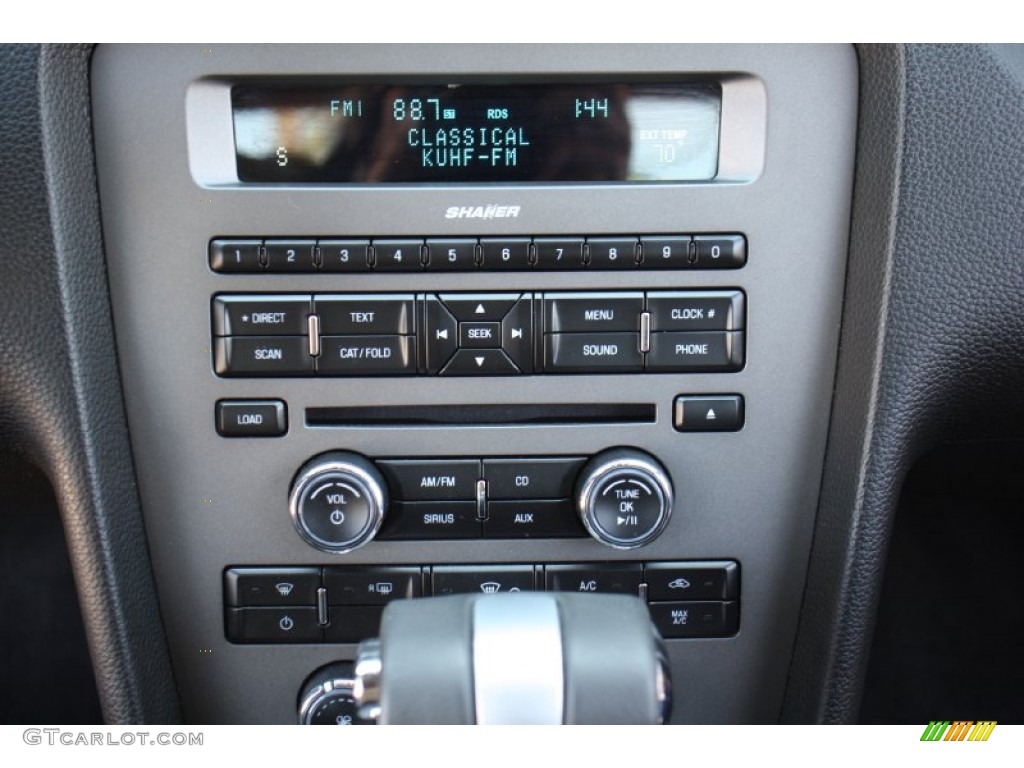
x,y
337,501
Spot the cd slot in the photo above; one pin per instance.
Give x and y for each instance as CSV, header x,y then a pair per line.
x,y
513,415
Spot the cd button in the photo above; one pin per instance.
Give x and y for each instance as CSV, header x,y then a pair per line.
x,y
540,478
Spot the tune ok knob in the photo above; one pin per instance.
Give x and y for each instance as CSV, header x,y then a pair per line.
x,y
337,501
624,498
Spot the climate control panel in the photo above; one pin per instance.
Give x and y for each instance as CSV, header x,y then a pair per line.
x,y
343,604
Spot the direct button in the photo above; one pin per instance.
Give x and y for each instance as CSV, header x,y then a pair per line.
x,y
251,418
431,480
362,314
260,315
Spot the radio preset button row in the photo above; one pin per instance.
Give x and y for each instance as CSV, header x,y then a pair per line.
x,y
671,251
343,604
487,334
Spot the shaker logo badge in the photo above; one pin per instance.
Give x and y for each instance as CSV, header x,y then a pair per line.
x,y
492,211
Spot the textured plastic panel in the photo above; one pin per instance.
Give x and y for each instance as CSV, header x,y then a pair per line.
x,y
210,502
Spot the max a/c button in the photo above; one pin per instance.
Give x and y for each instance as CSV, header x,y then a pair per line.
x,y
251,418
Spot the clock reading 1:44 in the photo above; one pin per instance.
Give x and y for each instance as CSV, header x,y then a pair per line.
x,y
592,108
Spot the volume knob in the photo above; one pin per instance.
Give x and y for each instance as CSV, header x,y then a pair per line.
x,y
337,501
624,498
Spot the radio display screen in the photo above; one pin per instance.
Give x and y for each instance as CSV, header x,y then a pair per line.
x,y
370,133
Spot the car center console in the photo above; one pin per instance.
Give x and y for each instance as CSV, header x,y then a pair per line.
x,y
401,321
